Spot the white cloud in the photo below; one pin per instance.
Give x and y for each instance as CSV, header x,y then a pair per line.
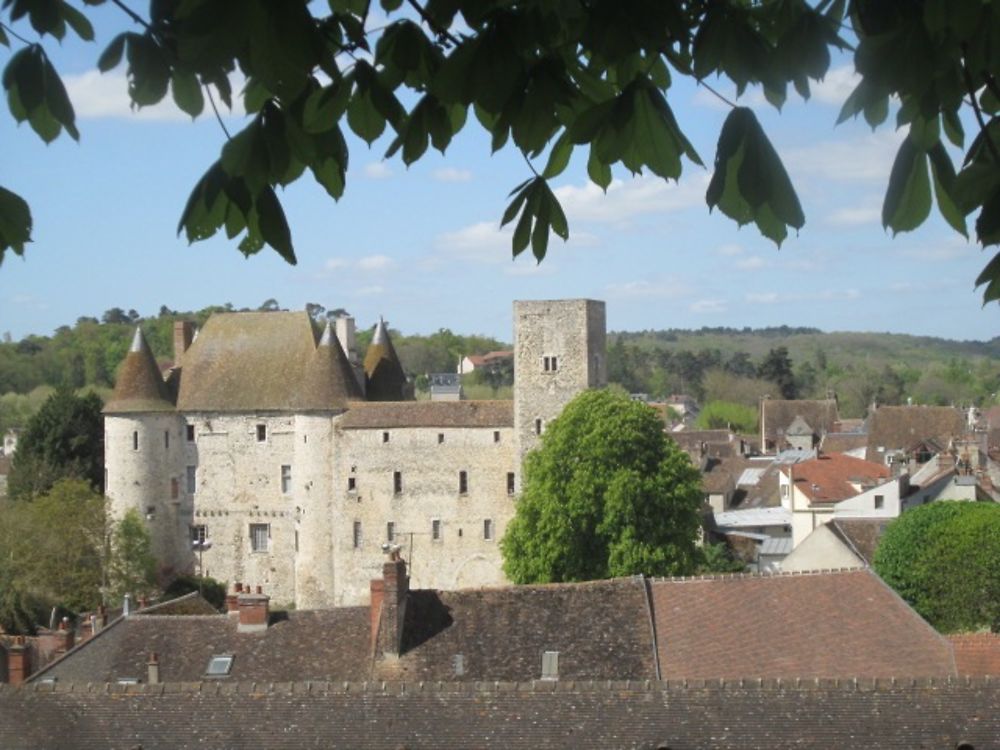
x,y
667,288
375,263
369,291
762,298
836,86
710,306
105,95
946,250
627,199
336,263
451,174
850,217
865,159
752,263
377,170
730,250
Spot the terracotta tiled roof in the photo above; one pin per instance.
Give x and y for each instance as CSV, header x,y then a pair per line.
x,y
977,654
780,413
840,624
579,715
139,386
362,415
829,478
902,427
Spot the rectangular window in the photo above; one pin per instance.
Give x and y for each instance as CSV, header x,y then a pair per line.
x,y
463,482
546,364
385,437
510,482
487,529
436,530
356,535
496,436
550,665
390,531
286,479
199,533
397,482
135,441
174,488
879,502
190,433
192,479
166,439
261,433
538,426
440,438
352,484
555,364
260,536
219,666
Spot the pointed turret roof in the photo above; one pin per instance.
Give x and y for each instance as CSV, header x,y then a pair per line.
x,y
384,376
139,387
328,381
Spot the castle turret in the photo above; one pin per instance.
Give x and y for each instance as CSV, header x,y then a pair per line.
x,y
560,350
327,385
143,437
384,376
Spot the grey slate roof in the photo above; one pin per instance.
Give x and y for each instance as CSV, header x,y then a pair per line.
x,y
804,716
367,415
139,387
903,427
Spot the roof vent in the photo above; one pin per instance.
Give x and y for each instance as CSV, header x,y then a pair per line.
x,y
550,665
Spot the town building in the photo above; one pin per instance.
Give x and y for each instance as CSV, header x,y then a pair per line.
x,y
289,467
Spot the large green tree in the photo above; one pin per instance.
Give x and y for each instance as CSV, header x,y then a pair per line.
x,y
944,559
606,494
64,439
549,76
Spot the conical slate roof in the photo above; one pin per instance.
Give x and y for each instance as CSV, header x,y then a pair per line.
x,y
140,387
384,376
328,381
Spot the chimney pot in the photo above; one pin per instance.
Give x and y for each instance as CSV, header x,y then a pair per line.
x,y
18,661
388,606
253,611
183,336
153,668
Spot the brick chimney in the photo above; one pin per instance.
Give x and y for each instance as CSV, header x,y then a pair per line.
x,y
232,599
64,637
153,668
18,661
253,611
183,335
388,606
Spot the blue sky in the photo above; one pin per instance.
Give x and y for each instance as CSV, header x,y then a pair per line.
x,y
422,246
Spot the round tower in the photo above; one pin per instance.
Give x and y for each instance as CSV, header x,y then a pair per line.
x,y
327,386
144,441
384,376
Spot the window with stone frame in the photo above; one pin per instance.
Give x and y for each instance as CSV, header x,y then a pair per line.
x,y
260,537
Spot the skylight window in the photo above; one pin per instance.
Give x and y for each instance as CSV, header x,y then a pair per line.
x,y
219,666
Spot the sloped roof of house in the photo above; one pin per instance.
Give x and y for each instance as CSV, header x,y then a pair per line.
x,y
139,386
799,427
368,415
580,715
902,427
842,442
833,624
861,535
328,381
828,478
779,414
478,360
720,474
976,654
248,361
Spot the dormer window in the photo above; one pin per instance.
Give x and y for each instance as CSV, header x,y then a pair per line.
x,y
219,666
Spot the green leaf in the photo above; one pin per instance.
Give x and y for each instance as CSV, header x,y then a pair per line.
x,y
908,198
187,92
15,223
363,118
57,101
974,184
990,276
78,22
559,156
112,54
944,182
148,70
273,225
952,125
5,42
325,106
655,140
598,171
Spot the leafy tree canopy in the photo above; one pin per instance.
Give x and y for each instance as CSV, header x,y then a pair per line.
x,y
64,439
548,77
944,559
606,494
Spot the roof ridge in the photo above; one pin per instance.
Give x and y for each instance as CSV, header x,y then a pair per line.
x,y
757,574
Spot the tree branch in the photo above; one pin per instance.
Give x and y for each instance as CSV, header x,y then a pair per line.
x,y
971,87
14,34
430,21
720,96
133,15
211,100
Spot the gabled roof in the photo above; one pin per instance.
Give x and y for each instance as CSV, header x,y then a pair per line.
x,y
362,415
861,535
893,428
799,427
831,624
384,376
830,477
139,386
976,654
252,361
778,415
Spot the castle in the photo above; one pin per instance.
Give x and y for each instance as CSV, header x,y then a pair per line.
x,y
271,456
